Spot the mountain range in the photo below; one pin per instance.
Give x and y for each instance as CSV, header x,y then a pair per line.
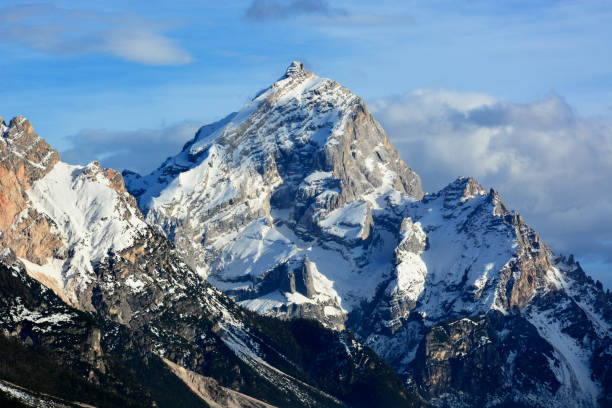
x,y
286,256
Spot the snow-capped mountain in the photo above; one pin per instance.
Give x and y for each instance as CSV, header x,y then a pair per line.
x,y
480,310
246,197
80,269
298,206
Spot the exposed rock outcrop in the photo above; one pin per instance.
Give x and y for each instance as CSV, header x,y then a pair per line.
x,y
24,158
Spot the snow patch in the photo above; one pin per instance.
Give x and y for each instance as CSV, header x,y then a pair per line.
x,y
92,219
576,373
348,221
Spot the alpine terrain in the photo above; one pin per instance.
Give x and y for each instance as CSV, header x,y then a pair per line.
x,y
98,308
297,206
286,257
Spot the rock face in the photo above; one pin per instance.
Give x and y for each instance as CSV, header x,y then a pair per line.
x,y
98,255
24,152
298,206
24,158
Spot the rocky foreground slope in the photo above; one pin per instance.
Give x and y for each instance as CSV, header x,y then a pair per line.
x,y
298,206
96,307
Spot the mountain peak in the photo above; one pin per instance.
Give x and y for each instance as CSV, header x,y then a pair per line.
x,y
304,147
295,68
18,124
22,122
462,189
23,151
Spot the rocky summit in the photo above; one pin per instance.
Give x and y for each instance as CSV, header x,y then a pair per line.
x,y
279,204
285,257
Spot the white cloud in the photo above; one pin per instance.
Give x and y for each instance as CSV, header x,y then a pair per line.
x,y
52,29
547,161
142,45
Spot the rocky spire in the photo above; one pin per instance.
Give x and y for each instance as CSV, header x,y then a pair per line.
x,y
295,68
24,152
24,158
462,189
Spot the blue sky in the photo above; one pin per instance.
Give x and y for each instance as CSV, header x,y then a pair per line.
x,y
129,82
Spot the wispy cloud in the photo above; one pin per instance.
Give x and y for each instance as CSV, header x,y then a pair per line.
x,y
548,161
262,10
51,29
137,150
141,44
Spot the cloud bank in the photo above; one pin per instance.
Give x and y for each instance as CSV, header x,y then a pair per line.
x,y
51,29
543,157
137,150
